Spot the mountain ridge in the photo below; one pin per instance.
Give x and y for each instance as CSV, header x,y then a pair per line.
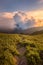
x,y
32,30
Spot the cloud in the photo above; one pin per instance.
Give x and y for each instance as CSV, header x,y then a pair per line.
x,y
29,18
40,1
6,21
10,20
39,22
22,20
38,14
7,24
8,15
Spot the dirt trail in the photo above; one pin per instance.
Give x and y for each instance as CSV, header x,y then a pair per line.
x,y
22,60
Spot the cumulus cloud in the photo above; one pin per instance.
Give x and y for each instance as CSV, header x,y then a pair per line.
x,y
11,20
26,23
38,14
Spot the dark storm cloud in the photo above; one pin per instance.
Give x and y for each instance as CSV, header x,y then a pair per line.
x,y
13,5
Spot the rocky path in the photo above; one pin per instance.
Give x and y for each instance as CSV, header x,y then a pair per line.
x,y
22,59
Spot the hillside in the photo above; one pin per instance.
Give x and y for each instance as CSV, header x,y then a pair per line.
x,y
19,30
32,30
18,49
37,32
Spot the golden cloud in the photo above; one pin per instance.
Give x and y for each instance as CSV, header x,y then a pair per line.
x,y
8,15
37,16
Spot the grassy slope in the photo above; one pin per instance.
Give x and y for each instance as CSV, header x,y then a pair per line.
x,y
12,44
37,32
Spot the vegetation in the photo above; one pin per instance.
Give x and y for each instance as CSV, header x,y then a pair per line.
x,y
11,46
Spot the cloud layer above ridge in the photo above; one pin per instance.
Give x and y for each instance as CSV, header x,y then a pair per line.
x,y
9,20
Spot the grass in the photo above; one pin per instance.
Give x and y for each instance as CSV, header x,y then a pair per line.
x,y
9,44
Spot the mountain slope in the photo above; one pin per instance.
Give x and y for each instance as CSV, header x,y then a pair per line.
x,y
37,32
22,31
32,30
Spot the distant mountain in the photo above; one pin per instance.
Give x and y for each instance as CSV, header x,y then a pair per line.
x,y
32,30
16,30
37,32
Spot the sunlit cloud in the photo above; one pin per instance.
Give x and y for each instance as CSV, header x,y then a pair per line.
x,y
6,21
36,14
27,19
40,1
8,15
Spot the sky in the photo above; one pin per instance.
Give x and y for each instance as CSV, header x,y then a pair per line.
x,y
25,13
